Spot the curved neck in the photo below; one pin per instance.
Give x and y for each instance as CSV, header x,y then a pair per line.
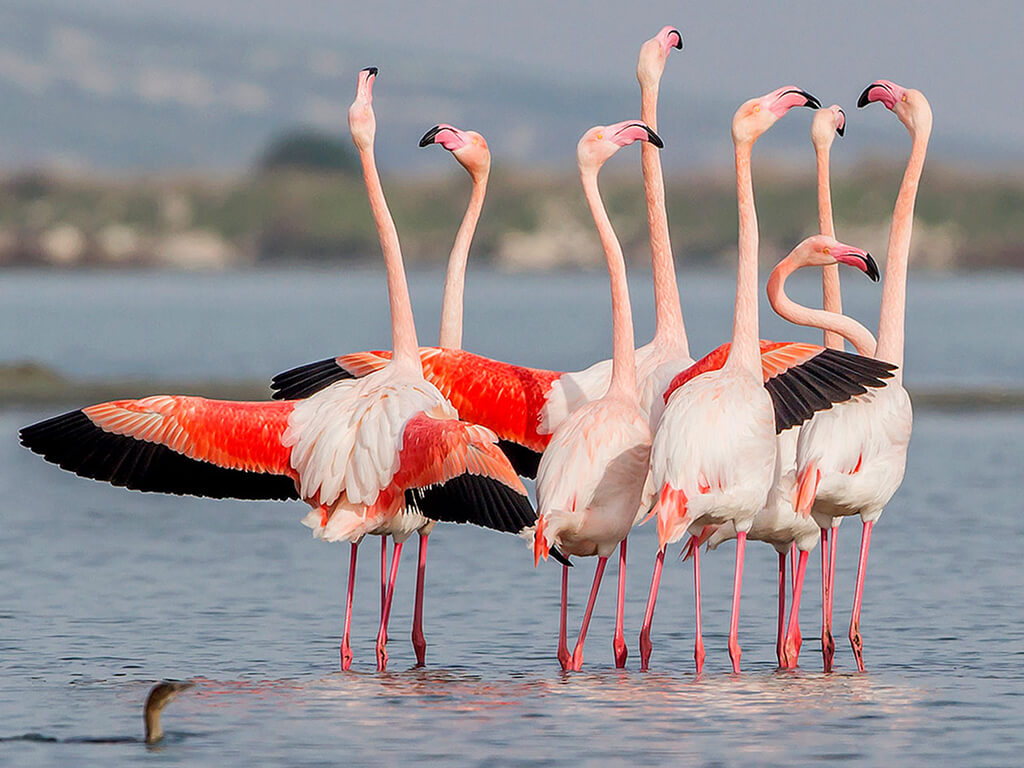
x,y
455,282
669,315
894,289
403,328
831,293
745,350
623,383
834,323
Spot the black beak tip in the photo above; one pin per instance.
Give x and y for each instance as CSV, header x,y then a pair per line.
x,y
812,101
428,137
371,70
863,101
872,268
654,138
841,130
679,37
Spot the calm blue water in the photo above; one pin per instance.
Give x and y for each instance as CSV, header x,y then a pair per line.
x,y
104,591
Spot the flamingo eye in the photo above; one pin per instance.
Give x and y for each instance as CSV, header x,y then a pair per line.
x,y
757,107
600,136
825,251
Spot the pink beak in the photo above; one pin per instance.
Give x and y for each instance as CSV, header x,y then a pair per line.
x,y
861,260
885,91
840,121
627,132
448,136
784,99
365,87
670,37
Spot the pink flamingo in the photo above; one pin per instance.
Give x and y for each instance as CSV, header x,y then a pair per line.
x,y
851,461
714,452
382,455
592,473
470,149
823,251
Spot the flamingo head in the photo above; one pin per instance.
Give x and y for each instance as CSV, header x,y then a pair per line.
x,y
908,104
468,147
822,251
361,121
653,54
603,141
827,124
756,116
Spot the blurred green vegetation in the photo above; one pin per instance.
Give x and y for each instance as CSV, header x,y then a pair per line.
x,y
964,220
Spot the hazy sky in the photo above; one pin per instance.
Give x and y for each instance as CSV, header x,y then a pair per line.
x,y
967,57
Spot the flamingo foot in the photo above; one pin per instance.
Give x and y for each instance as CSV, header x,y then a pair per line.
x,y
577,659
621,652
382,654
857,643
698,656
735,652
346,656
828,650
645,649
419,645
564,658
791,651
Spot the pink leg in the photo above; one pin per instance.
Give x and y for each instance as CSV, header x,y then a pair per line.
x,y
791,652
779,654
383,572
382,634
652,598
862,565
419,643
737,586
619,642
698,648
828,643
792,562
346,648
563,646
577,654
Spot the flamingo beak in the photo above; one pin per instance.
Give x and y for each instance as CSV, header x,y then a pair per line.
x,y
884,91
638,131
788,98
428,137
861,260
841,123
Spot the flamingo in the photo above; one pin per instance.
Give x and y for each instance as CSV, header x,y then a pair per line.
x,y
851,461
714,453
384,455
525,405
592,473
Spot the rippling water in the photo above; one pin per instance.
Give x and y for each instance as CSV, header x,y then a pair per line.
x,y
105,591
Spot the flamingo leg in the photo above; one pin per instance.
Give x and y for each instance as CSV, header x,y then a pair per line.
x,y
791,651
346,648
698,647
563,647
792,562
862,565
619,642
652,598
419,642
828,643
737,585
779,650
382,634
577,654
383,572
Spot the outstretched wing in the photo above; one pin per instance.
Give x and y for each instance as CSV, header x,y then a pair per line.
x,y
453,471
173,444
801,378
505,398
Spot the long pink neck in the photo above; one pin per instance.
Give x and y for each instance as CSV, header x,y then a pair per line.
x,y
894,289
745,349
455,282
669,315
623,383
831,293
833,323
403,328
